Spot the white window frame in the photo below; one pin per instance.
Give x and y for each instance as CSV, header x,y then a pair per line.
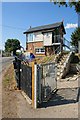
x,y
30,37
38,50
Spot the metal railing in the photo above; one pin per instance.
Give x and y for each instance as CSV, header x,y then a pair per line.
x,y
67,43
58,50
23,76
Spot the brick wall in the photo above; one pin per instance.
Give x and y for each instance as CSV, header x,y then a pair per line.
x,y
31,46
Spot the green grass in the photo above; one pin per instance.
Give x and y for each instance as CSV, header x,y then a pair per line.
x,y
6,80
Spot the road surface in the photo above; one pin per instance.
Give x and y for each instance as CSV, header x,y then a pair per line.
x,y
4,63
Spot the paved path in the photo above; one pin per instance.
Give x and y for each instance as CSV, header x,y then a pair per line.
x,y
66,106
59,111
68,84
4,62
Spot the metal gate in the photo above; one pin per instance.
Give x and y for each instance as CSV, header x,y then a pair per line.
x,y
49,83
46,81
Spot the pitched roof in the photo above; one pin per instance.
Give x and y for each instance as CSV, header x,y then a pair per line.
x,y
45,27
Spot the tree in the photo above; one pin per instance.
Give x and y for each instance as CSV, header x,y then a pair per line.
x,y
70,3
76,5
11,45
75,37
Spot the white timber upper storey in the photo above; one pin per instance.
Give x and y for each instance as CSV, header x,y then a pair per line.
x,y
46,38
45,33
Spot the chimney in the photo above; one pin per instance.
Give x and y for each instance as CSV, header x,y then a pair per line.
x,y
30,27
62,20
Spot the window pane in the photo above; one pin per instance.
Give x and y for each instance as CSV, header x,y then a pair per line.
x,y
40,50
30,37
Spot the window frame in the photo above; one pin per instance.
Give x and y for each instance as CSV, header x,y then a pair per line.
x,y
40,50
30,37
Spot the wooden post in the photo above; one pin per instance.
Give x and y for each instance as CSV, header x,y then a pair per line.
x,y
34,85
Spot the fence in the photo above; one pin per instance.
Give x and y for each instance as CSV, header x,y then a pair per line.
x,y
26,79
37,81
17,67
67,44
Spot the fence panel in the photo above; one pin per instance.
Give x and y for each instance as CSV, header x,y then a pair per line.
x,y
17,67
26,79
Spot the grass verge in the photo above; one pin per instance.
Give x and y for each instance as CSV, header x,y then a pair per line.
x,y
9,95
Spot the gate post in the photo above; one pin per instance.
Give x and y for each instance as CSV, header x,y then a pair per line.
x,y
34,85
19,65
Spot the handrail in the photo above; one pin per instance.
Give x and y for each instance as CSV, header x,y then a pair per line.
x,y
67,43
58,50
66,40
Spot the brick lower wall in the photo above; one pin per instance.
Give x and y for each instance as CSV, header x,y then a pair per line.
x,y
31,46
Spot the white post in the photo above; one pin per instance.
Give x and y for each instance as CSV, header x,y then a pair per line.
x,y
39,82
79,47
79,26
35,86
78,19
60,48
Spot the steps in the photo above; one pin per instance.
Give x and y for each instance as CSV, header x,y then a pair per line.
x,y
60,65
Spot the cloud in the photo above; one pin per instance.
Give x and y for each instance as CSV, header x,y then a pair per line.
x,y
70,25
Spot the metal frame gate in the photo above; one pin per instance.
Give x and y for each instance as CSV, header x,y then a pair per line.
x,y
45,82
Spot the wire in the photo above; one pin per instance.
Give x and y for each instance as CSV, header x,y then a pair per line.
x,y
11,27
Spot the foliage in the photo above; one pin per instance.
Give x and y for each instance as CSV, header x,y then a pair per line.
x,y
69,3
75,37
12,45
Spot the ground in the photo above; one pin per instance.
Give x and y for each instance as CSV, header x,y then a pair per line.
x,y
9,99
62,105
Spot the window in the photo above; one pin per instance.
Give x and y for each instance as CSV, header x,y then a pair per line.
x,y
35,35
57,38
47,34
40,51
30,37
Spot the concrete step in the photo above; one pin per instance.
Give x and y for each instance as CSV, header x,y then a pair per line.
x,y
58,70
64,58
58,73
60,67
60,63
58,78
63,61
